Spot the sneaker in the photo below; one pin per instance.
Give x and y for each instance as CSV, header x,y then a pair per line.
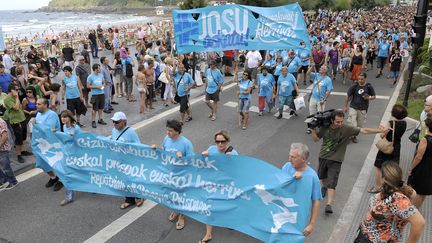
x,y
26,153
110,109
58,186
102,122
308,131
105,111
379,75
279,117
80,125
260,113
4,185
323,191
328,209
354,139
292,112
11,186
188,119
65,202
94,124
21,159
51,182
114,103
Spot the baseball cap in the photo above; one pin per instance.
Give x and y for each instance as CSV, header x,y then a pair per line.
x,y
118,116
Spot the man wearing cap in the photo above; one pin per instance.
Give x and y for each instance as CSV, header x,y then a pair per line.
x,y
5,78
213,86
122,133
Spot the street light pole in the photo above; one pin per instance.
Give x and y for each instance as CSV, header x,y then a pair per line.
x,y
418,39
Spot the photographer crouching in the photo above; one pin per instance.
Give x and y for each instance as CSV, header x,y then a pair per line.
x,y
336,137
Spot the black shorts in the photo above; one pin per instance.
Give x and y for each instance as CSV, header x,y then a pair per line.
x,y
214,97
17,129
75,105
227,61
184,103
303,69
98,101
329,169
381,62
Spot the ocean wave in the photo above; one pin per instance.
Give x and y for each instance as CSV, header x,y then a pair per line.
x,y
33,20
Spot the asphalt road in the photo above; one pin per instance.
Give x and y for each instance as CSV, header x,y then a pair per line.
x,y
31,213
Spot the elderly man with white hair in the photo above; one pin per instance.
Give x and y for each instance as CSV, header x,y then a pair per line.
x,y
299,168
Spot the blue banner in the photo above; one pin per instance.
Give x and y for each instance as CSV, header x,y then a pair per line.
x,y
238,192
231,27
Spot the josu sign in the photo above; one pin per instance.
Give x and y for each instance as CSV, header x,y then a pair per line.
x,y
229,27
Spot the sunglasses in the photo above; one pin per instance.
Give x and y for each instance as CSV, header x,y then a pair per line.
x,y
246,74
29,92
220,141
116,122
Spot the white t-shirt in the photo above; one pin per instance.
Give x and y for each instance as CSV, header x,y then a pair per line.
x,y
253,58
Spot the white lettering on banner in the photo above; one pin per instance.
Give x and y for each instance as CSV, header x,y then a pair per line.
x,y
230,17
168,159
190,204
90,143
85,161
205,163
170,179
106,180
127,169
281,25
211,187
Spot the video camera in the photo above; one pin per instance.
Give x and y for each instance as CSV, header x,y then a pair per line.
x,y
319,119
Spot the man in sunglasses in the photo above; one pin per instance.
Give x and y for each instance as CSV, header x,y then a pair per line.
x,y
122,133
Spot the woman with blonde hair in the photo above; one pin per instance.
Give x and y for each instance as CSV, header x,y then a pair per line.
x,y
390,210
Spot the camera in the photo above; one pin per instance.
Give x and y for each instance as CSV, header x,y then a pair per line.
x,y
319,119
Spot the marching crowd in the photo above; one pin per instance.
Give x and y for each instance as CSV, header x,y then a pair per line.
x,y
344,45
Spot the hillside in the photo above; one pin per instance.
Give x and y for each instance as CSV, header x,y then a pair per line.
x,y
102,5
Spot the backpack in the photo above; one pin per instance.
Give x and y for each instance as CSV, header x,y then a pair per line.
x,y
129,70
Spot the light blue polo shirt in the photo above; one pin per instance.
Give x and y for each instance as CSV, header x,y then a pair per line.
x,y
286,85
308,172
265,84
214,79
182,145
96,80
129,136
212,150
49,119
71,89
325,86
185,83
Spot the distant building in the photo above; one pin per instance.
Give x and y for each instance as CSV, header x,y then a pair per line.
x,y
217,3
160,10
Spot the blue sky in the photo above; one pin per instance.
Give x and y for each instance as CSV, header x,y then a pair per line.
x,y
22,4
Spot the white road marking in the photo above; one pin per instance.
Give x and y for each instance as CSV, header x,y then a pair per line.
x,y
231,104
28,174
119,224
380,97
255,109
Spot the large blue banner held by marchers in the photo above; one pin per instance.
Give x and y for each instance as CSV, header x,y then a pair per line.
x,y
232,26
238,192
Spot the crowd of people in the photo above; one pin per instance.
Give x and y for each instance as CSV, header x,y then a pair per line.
x,y
344,45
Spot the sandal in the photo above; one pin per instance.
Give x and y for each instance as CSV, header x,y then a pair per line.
x,y
173,216
210,115
139,202
126,205
180,225
205,241
213,118
374,190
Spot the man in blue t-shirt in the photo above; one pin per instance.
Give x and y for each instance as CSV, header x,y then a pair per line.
x,y
184,83
299,169
266,86
304,56
293,63
5,78
96,84
72,90
213,86
322,87
383,52
286,84
122,133
182,147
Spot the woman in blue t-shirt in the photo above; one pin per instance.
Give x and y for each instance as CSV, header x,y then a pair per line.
x,y
222,146
244,93
71,128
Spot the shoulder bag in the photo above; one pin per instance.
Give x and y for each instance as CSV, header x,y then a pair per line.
x,y
386,146
177,98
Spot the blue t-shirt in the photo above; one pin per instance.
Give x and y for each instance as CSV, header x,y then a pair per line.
x,y
383,49
5,80
265,84
244,85
96,80
214,79
308,172
212,150
286,85
278,68
284,55
269,63
71,87
185,83
304,56
129,136
49,119
325,86
73,130
182,145
293,64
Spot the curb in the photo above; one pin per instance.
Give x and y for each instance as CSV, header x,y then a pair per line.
x,y
343,225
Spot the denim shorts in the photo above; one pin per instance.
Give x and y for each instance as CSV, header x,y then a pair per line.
x,y
244,105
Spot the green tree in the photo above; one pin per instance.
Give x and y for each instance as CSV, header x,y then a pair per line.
x,y
342,4
189,4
